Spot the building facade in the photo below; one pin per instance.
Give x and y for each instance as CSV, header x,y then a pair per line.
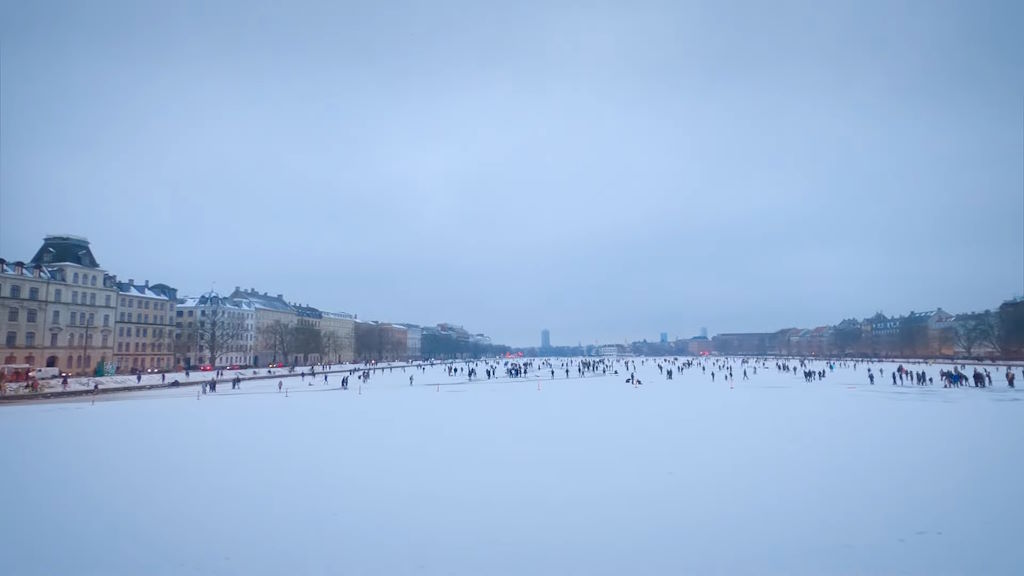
x,y
145,327
269,311
230,322
339,336
58,310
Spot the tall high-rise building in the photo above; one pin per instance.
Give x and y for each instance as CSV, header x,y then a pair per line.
x,y
664,338
545,338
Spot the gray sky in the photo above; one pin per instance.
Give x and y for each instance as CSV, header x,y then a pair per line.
x,y
605,170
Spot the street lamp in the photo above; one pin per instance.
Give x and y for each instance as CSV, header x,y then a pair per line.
x,y
85,343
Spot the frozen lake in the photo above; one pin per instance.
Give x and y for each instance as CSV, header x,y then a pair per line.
x,y
582,476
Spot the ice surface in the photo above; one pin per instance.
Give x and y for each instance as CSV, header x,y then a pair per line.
x,y
583,476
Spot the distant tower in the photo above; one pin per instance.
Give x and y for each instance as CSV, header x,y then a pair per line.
x,y
545,338
703,332
664,337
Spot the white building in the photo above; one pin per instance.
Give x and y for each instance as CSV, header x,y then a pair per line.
x,y
231,321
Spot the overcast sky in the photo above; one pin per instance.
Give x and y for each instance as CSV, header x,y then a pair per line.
x,y
606,170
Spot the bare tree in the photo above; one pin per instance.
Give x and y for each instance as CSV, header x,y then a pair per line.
x,y
980,329
217,329
331,343
308,342
280,337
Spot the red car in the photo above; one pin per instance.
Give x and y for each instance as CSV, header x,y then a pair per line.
x,y
206,368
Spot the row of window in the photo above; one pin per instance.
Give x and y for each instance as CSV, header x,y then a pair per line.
x,y
142,318
15,292
139,332
87,279
142,303
126,347
85,340
224,314
58,295
31,316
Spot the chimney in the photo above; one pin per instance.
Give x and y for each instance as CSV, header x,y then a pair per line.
x,y
131,282
236,289
280,297
147,283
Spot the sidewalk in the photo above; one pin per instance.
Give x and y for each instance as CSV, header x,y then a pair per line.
x,y
83,385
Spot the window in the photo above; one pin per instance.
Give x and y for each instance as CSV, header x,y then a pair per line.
x,y
92,319
120,331
138,331
92,281
191,313
106,300
131,303
30,338
92,298
136,346
147,305
74,296
88,339
53,340
78,360
129,316
12,339
12,315
74,280
71,340
70,362
74,315
15,291
104,341
56,317
30,315
146,320
179,313
145,332
106,320
57,294
143,346
124,302
120,317
33,293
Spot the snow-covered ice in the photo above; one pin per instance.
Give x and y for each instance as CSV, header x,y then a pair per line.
x,y
581,476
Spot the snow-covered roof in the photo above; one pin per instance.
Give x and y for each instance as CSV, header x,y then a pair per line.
x,y
157,291
265,301
214,299
26,270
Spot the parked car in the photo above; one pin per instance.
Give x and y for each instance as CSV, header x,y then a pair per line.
x,y
44,373
206,368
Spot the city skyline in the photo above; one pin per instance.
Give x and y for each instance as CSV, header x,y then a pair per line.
x,y
681,334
